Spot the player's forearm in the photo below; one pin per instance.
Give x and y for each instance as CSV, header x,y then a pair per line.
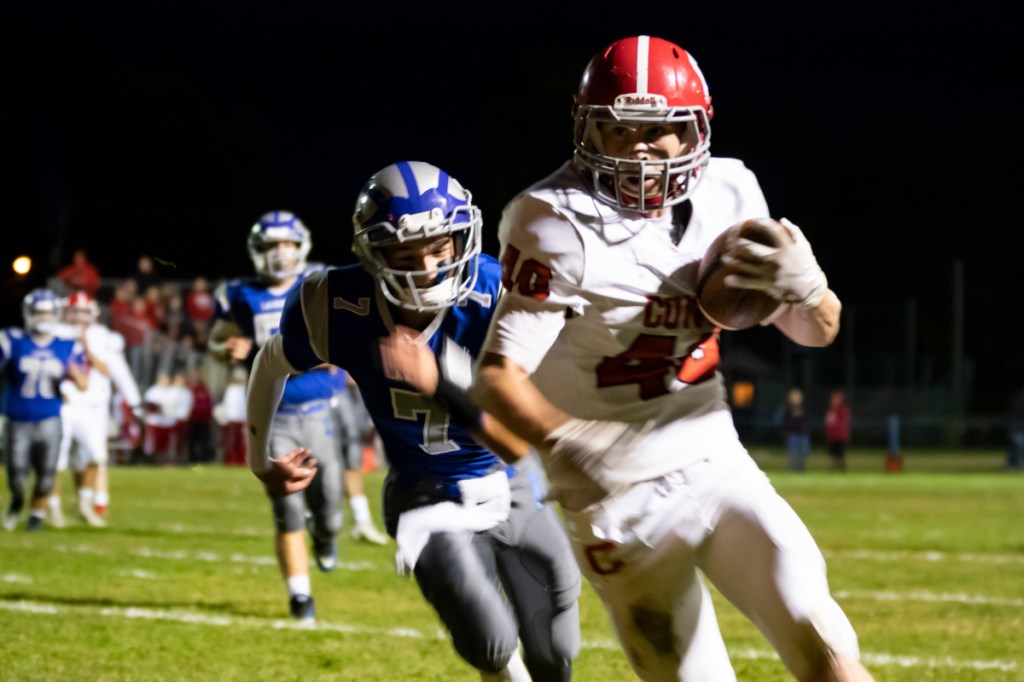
x,y
98,364
218,350
816,326
270,370
505,391
217,345
122,377
494,436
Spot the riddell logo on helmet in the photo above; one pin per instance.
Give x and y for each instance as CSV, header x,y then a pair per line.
x,y
637,99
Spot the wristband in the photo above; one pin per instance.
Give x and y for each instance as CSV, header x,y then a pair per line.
x,y
460,408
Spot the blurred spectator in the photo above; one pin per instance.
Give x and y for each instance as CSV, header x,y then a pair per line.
x,y
199,303
794,425
175,321
155,310
199,445
1015,431
121,304
145,274
181,406
81,274
231,413
159,441
837,429
137,330
181,356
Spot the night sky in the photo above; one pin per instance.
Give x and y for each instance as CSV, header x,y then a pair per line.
x,y
891,132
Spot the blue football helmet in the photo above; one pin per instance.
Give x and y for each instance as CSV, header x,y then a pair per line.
x,y
274,227
410,201
41,309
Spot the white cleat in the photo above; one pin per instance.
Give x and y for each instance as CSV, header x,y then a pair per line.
x,y
91,518
56,519
10,521
366,532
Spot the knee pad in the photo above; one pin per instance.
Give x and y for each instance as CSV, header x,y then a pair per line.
x,y
290,513
44,484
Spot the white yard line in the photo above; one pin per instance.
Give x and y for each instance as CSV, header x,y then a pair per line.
x,y
210,557
928,556
940,597
16,578
133,612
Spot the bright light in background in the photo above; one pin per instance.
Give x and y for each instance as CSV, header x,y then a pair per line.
x,y
22,264
742,393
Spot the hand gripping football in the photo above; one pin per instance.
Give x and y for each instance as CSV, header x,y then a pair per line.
x,y
730,307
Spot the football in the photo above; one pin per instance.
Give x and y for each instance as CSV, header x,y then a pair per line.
x,y
728,307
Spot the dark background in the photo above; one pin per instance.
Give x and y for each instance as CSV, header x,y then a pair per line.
x,y
890,132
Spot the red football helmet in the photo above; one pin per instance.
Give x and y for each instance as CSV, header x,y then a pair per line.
x,y
643,80
81,308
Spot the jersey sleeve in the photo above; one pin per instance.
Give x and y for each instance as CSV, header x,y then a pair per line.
x,y
749,195
5,347
542,270
221,303
302,322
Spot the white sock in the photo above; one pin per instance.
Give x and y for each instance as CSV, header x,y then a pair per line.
x,y
54,502
86,495
298,584
360,508
39,513
102,498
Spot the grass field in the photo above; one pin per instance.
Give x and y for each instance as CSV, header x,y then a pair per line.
x,y
929,565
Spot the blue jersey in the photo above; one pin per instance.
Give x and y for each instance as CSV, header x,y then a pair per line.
x,y
250,303
345,329
33,372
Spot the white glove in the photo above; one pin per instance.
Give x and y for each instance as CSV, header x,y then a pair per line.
x,y
788,273
595,448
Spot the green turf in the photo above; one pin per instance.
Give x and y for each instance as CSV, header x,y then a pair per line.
x,y
929,565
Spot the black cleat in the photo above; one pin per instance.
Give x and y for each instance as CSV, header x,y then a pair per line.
x,y
302,608
34,524
326,554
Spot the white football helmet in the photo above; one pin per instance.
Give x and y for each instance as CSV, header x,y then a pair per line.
x,y
409,201
41,310
274,227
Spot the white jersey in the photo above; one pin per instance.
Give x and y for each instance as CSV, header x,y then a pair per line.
x,y
163,402
108,347
602,309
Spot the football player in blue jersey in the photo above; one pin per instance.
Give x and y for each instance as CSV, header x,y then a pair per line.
x,y
467,525
34,362
248,312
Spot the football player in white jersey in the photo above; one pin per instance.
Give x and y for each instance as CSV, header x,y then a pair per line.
x,y
600,357
85,415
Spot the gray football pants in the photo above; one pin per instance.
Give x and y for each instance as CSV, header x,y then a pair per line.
x,y
31,446
310,425
463,575
347,428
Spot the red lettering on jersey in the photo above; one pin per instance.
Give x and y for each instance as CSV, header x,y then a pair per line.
x,y
646,362
672,312
533,278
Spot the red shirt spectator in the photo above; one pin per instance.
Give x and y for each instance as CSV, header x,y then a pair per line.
x,y
81,274
202,403
154,306
121,305
837,419
134,325
200,301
